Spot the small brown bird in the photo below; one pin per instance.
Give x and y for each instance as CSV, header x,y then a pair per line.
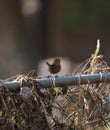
x,y
55,67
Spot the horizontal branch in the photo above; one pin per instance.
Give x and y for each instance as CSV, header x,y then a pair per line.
x,y
66,80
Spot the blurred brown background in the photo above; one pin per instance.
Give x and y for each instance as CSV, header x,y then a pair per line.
x,y
31,30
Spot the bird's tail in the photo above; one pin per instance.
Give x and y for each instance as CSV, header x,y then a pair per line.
x,y
48,64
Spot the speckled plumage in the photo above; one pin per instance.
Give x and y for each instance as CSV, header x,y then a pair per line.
x,y
55,67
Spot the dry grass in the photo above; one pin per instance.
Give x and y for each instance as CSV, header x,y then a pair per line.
x,y
81,107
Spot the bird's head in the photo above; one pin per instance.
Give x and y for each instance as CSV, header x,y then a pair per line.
x,y
57,60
